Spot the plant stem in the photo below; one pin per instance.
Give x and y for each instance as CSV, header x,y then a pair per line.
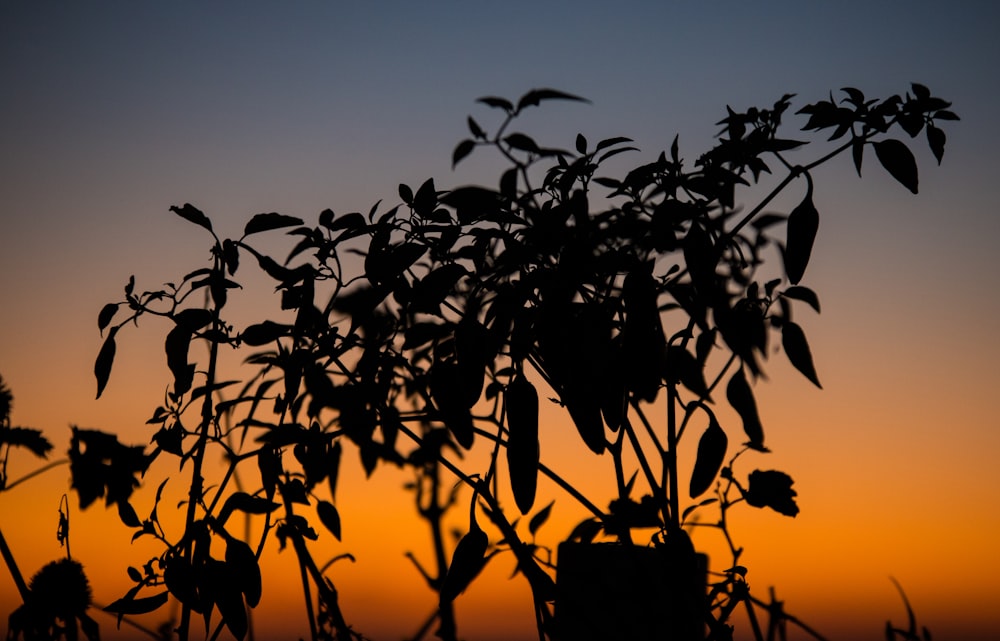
x,y
670,459
8,558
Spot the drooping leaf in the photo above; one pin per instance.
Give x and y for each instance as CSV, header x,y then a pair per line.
x,y
803,224
522,445
793,340
107,313
329,516
105,358
192,214
462,149
243,567
740,396
245,503
269,221
711,454
772,489
936,140
176,346
898,160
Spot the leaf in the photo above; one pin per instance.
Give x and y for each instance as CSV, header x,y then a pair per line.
x,y
711,454
462,150
772,489
137,606
127,514
539,519
405,193
581,144
192,214
267,222
936,140
793,340
26,437
898,160
474,128
522,446
522,142
536,96
245,503
134,574
740,396
105,358
803,294
263,333
245,569
330,517
497,103
803,223
107,313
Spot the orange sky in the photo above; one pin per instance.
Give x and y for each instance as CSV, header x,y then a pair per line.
x,y
113,116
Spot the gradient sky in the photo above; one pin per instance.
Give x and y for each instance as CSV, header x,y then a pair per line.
x,y
111,112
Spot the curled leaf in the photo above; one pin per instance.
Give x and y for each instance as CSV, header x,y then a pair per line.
x,y
772,489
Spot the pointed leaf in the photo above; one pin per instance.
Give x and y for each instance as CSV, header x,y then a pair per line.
x,y
474,128
192,214
107,313
535,96
497,103
936,140
711,455
105,358
793,340
522,445
803,223
330,517
522,142
462,150
740,396
539,519
267,222
803,294
898,160
137,606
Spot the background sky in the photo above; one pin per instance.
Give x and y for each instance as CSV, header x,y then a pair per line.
x,y
111,112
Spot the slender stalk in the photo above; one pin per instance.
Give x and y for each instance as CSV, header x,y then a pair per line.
x,y
22,587
198,457
670,459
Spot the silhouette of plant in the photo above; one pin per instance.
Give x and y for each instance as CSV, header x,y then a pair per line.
x,y
440,319
54,604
